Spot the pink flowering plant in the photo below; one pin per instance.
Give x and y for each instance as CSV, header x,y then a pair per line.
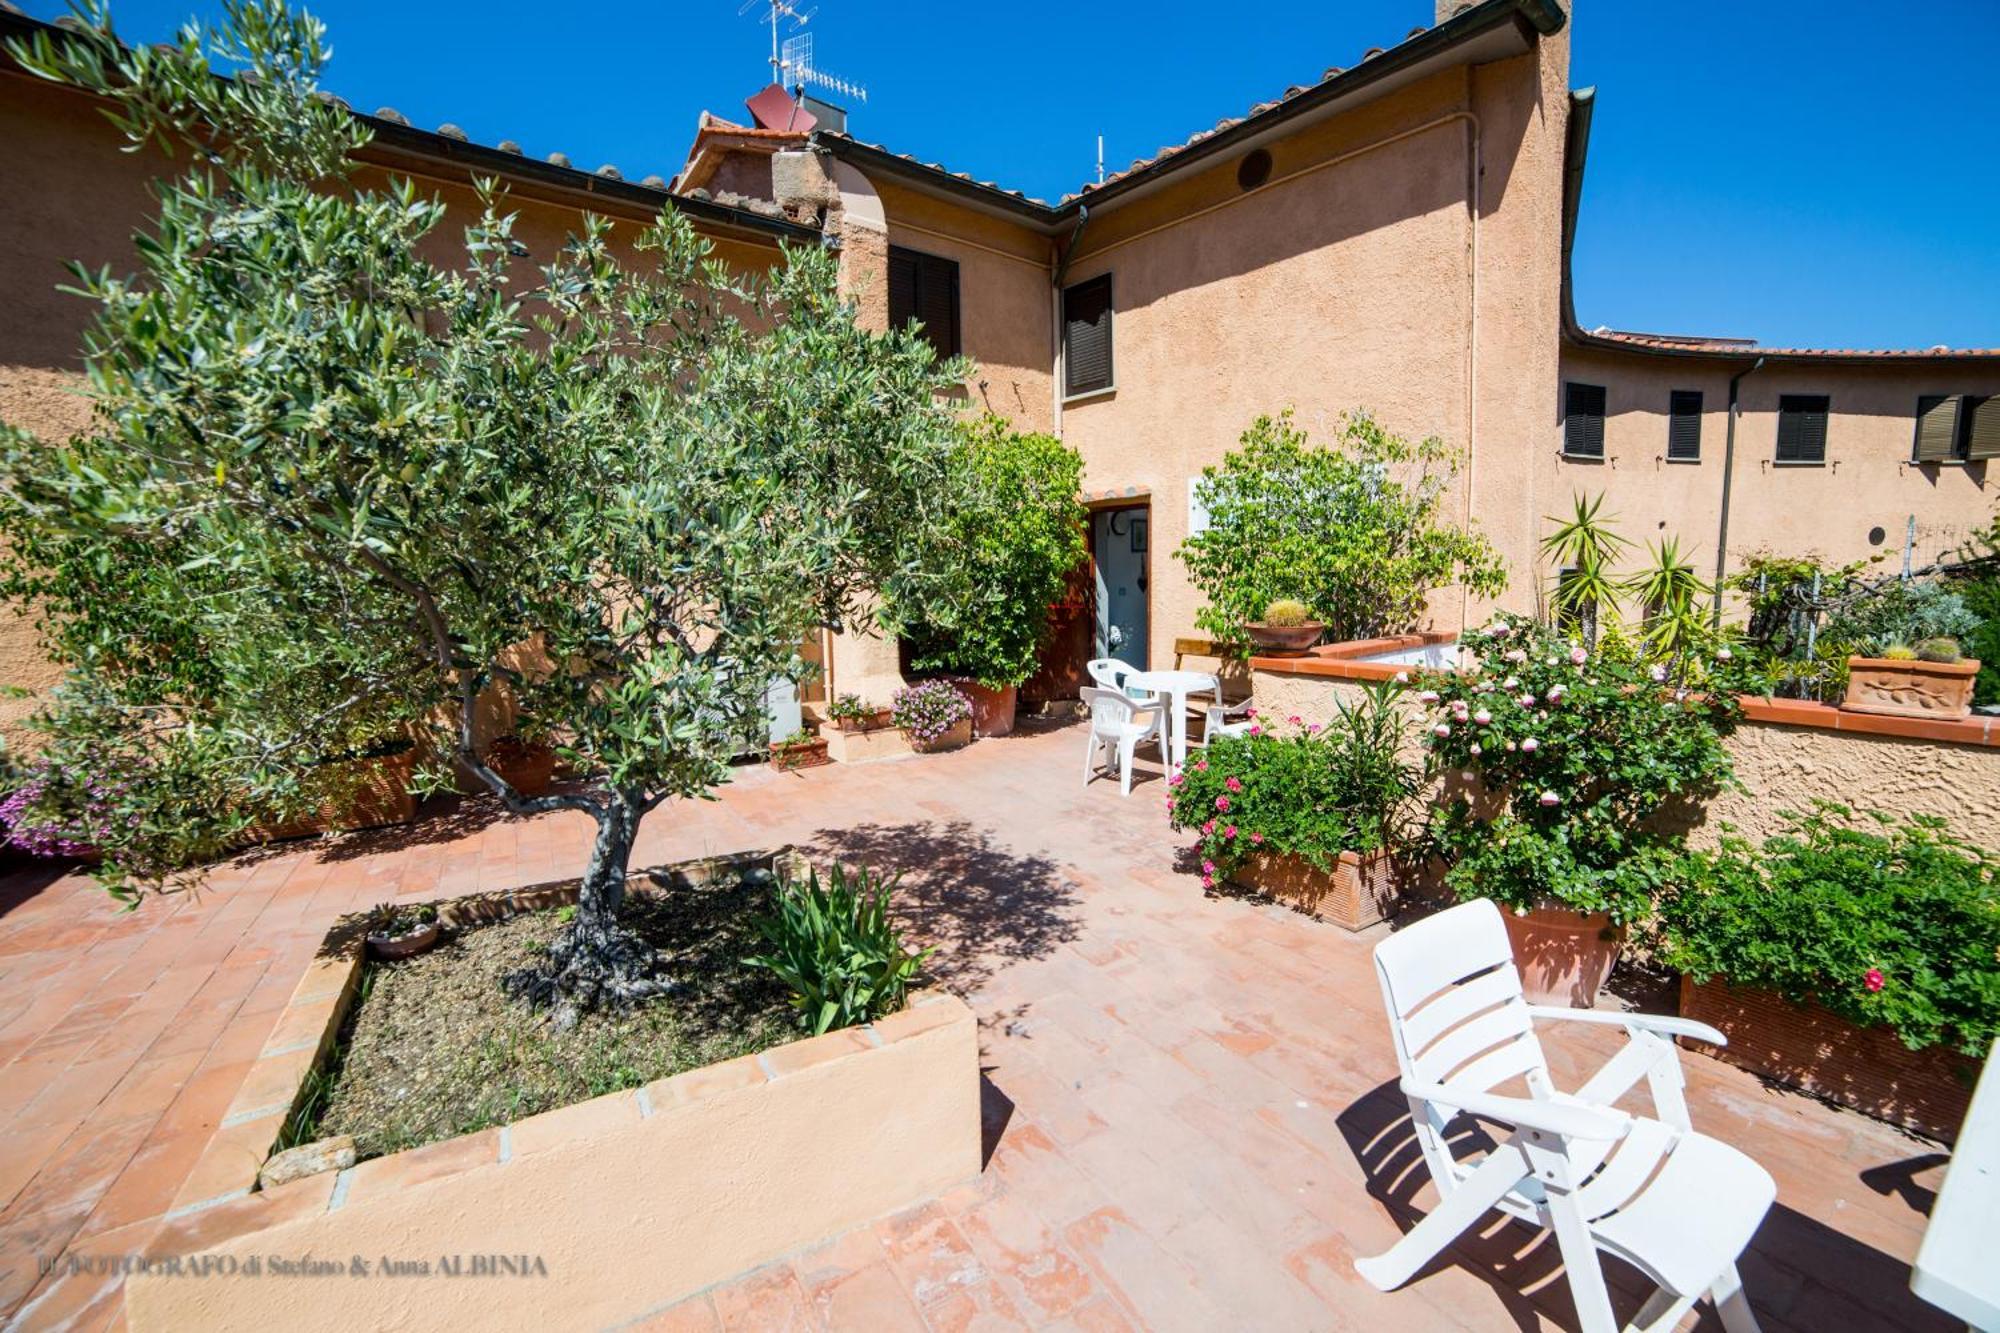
x,y
1579,753
929,709
1297,788
1884,923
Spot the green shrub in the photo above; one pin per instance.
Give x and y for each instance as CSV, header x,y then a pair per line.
x,y
1885,924
1982,598
1297,788
1585,753
1358,532
836,948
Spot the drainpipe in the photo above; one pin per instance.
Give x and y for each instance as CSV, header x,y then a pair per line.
x,y
1728,471
1055,312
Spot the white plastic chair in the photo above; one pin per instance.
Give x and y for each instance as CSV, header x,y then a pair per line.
x,y
1117,725
1110,674
1217,720
1677,1205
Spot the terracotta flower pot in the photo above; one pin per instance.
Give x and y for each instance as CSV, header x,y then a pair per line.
x,y
959,736
354,794
1359,891
873,722
1564,957
789,755
1909,689
992,710
527,767
409,944
1284,640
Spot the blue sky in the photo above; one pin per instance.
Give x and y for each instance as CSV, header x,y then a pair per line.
x,y
1804,174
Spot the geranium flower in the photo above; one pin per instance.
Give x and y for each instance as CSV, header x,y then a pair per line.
x,y
1256,840
1873,979
1250,712
1229,832
1177,779
1208,881
1222,804
1233,783
1208,867
1208,828
1256,729
1201,765
1293,719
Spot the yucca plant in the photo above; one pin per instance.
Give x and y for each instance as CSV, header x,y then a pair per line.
x,y
1671,592
836,948
1585,549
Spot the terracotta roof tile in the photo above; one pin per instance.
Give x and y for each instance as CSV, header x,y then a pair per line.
x,y
1743,347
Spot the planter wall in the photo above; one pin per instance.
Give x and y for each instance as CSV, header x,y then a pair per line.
x,y
1909,689
1564,957
1358,892
861,747
1804,1046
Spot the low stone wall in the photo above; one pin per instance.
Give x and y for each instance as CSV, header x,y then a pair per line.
x,y
599,1212
1787,754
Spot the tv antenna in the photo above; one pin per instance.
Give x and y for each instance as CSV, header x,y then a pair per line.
x,y
792,66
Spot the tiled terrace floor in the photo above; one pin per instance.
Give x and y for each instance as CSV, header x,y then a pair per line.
x,y
1190,1098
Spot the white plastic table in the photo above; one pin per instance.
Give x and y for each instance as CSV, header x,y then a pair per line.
x,y
1176,685
1956,1268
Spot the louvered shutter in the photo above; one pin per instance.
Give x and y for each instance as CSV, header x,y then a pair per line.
x,y
1802,428
1983,439
1087,336
1583,420
1937,428
1684,425
925,288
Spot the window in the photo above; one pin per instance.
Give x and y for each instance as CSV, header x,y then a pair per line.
x,y
1956,429
1086,338
1583,420
924,288
1684,426
1802,428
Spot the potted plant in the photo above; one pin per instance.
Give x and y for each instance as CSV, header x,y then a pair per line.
x,y
1304,812
527,766
1933,679
1852,955
801,749
1019,530
1561,762
401,931
1287,629
850,712
367,787
934,714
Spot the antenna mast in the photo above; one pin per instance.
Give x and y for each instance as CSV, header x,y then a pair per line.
x,y
792,65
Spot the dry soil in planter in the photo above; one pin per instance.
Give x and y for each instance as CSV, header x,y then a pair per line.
x,y
432,1049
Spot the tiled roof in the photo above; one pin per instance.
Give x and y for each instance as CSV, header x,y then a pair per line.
x,y
936,167
1690,344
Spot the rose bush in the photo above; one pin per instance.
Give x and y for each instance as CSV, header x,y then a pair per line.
x,y
1572,757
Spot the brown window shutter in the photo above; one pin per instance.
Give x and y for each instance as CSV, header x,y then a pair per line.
x,y
1802,427
1583,420
924,288
1684,425
1982,440
1937,428
1087,336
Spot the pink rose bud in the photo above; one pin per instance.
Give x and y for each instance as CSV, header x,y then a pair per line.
x,y
1257,840
1550,798
1723,654
1578,657
1511,683
1208,828
1530,745
1429,696
1482,717
1475,748
1402,678
1527,701
1441,729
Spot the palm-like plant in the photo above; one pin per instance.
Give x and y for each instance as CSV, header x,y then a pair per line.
x,y
1669,590
1584,549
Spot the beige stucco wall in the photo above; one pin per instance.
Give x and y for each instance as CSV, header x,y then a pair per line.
x,y
1345,283
1782,768
1869,480
71,193
629,1202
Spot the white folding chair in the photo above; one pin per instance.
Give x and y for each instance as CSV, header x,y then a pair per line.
x,y
1677,1205
1117,725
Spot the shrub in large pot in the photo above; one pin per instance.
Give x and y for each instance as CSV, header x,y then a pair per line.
x,y
1017,528
1851,954
1305,812
1571,765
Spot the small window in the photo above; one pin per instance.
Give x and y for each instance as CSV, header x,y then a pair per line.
x,y
1684,426
1583,420
1802,428
1938,437
1980,427
924,288
1087,337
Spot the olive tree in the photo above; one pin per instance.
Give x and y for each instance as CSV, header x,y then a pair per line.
x,y
331,477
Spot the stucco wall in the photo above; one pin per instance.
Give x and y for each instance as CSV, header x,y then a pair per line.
x,y
1345,283
1832,512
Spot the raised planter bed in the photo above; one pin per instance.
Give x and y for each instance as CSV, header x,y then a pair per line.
x,y
1804,1046
1898,688
1359,891
354,794
588,1215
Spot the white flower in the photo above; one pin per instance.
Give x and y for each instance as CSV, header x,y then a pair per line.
x,y
1658,673
1723,654
1517,655
1530,745
1429,696
1511,683
1510,747
1577,656
1550,798
1402,678
1475,748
